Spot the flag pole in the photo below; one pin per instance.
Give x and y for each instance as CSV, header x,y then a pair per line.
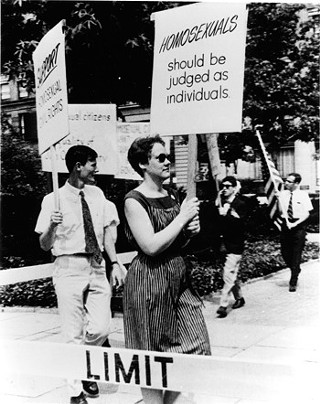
x,y
284,213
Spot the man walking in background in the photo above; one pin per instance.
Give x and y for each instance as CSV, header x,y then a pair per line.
x,y
297,205
85,224
232,211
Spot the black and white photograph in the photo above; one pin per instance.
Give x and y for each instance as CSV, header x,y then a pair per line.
x,y
159,197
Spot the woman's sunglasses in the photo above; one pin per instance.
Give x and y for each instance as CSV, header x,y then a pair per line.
x,y
162,157
225,186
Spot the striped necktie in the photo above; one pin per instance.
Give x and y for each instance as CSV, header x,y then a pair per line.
x,y
290,210
92,246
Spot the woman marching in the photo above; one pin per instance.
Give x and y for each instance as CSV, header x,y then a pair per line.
x,y
160,311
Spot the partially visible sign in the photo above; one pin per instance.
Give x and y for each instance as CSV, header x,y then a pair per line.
x,y
93,125
202,173
199,55
210,376
51,88
126,134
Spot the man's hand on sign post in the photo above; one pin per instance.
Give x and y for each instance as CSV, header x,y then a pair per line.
x,y
56,218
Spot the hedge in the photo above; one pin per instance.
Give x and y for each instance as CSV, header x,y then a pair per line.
x,y
261,257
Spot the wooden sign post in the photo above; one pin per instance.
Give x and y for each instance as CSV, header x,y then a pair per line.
x,y
192,165
55,183
214,158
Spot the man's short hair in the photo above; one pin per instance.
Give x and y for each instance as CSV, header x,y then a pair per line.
x,y
297,177
231,179
79,154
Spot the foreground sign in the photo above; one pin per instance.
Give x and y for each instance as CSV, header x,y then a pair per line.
x,y
93,125
215,376
51,88
199,55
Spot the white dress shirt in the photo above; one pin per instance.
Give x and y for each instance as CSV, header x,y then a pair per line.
x,y
301,203
70,237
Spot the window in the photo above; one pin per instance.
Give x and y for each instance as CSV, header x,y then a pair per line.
x,y
5,91
28,126
23,93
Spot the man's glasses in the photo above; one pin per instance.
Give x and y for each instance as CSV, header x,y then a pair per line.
x,y
226,186
162,157
290,182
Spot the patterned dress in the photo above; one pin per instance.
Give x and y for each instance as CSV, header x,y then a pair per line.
x,y
160,311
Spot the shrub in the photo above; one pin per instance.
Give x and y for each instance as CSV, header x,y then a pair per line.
x,y
33,293
261,257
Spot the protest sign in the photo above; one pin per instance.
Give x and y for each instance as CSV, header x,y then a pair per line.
x,y
126,134
199,55
51,88
93,125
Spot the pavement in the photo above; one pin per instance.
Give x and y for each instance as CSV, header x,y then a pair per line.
x,y
274,325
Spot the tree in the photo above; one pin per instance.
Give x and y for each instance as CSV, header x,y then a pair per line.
x,y
21,173
109,48
281,73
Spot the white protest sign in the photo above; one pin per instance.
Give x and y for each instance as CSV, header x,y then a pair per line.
x,y
93,125
217,376
199,55
126,134
51,88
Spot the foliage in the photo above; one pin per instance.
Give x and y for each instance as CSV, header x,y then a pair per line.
x,y
281,72
109,55
281,83
21,165
109,46
260,258
33,293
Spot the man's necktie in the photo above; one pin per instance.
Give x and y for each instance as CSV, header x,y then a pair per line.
x,y
92,246
290,210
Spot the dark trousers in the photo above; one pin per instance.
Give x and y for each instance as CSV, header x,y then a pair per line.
x,y
292,243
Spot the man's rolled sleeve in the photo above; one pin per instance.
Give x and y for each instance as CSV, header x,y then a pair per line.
x,y
43,221
111,218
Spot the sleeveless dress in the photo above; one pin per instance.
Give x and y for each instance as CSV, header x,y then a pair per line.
x,y
160,311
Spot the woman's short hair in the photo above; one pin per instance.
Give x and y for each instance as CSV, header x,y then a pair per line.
x,y
79,154
140,151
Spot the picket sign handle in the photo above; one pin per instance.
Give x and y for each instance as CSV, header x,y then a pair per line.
x,y
214,158
55,183
218,193
192,165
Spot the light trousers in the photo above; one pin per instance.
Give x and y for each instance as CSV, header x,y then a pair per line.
x,y
84,296
231,283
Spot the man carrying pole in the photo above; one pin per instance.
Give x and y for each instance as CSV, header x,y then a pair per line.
x,y
289,210
77,232
296,205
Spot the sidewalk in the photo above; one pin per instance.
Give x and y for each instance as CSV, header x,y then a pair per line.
x,y
274,325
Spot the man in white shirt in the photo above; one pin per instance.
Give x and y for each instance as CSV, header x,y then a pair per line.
x,y
296,206
77,232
